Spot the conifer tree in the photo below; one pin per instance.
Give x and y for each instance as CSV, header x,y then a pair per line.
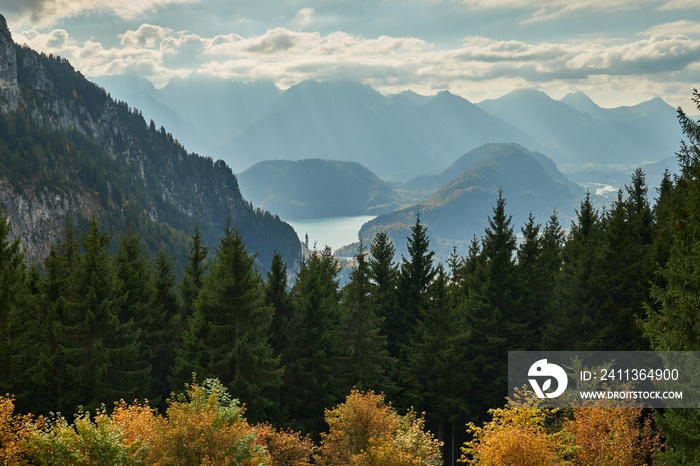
x,y
366,360
194,273
277,296
102,353
415,275
167,325
672,321
227,337
312,379
573,315
437,374
384,275
492,310
12,281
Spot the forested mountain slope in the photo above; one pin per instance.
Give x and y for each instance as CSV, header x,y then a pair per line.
x,y
68,149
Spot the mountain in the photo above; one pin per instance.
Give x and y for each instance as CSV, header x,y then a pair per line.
x,y
68,149
314,188
432,183
399,136
204,111
530,183
576,131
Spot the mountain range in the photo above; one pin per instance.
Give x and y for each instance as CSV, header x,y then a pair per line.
x,y
67,149
398,137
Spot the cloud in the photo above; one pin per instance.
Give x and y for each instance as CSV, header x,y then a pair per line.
x,y
684,27
388,63
304,17
147,35
546,10
44,13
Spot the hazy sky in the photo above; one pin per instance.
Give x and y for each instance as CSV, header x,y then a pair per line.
x,y
618,52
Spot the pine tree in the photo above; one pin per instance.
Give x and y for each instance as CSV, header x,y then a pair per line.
x,y
437,375
415,275
312,381
366,359
277,296
227,337
532,282
102,353
12,291
384,276
492,307
194,273
167,325
672,322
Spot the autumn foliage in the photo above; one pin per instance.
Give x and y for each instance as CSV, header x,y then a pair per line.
x,y
366,431
522,433
205,425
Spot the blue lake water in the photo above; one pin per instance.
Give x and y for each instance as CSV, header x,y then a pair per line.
x,y
332,231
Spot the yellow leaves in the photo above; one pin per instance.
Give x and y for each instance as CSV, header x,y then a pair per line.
x,y
517,434
286,447
13,431
365,431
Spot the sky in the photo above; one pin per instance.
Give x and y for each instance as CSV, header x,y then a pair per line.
x,y
617,52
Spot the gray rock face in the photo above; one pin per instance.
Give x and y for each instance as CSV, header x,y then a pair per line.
x,y
9,89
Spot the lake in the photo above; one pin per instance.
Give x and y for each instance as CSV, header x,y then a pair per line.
x,y
332,231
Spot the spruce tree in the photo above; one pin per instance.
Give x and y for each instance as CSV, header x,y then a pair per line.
x,y
227,337
673,316
415,275
167,325
12,291
102,353
438,375
384,275
492,307
194,273
312,378
366,360
573,316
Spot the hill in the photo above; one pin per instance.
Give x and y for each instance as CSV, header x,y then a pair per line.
x,y
314,188
68,149
460,210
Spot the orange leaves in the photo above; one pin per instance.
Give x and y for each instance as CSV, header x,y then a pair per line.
x,y
206,426
13,431
365,431
286,447
516,435
521,434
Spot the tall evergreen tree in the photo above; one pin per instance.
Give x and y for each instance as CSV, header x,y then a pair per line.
x,y
312,380
384,275
573,315
415,275
437,375
101,352
492,310
227,337
167,326
366,360
12,282
194,273
277,296
672,321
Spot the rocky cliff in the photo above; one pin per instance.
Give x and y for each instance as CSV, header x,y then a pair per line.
x,y
68,149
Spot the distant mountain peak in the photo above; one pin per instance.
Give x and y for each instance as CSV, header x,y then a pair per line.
x,y
580,101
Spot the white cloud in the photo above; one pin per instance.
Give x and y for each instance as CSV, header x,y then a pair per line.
x,y
44,13
304,17
684,27
388,63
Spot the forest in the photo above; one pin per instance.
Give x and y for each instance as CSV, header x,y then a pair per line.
x,y
406,364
